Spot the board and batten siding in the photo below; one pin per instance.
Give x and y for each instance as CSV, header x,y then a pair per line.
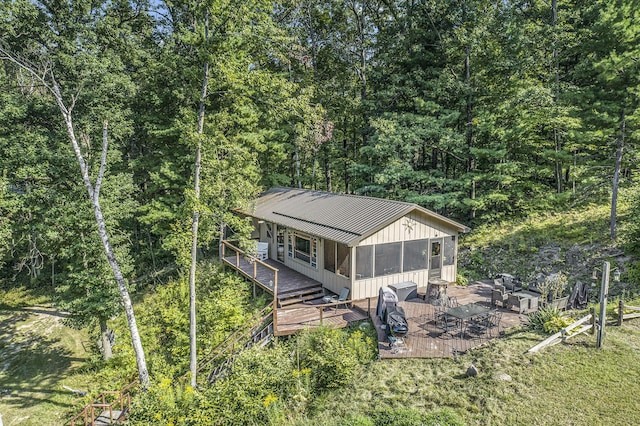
x,y
414,226
423,227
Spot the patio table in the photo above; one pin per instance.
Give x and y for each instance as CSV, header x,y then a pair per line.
x,y
464,312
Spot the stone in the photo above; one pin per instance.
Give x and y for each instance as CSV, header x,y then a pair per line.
x,y
503,377
472,371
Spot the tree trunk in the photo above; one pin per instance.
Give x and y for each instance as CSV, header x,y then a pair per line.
x,y
107,353
195,221
94,194
616,176
472,163
297,161
50,83
557,142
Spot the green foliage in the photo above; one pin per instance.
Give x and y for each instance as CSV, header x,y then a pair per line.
x,y
556,324
275,383
410,417
332,356
461,280
547,319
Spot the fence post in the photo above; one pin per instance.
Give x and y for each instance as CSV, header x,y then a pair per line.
x,y
620,312
321,310
604,292
593,320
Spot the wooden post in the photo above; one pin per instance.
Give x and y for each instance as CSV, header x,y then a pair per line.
x,y
255,268
620,312
592,311
604,290
237,259
321,310
275,302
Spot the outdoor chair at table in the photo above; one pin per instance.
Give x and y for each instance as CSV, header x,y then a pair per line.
x,y
493,322
444,322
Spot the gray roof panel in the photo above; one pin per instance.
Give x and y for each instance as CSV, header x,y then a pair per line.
x,y
343,218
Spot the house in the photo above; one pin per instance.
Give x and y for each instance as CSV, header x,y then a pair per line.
x,y
358,242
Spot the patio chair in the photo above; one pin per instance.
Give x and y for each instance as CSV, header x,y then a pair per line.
x,y
499,295
342,297
493,321
477,327
445,322
452,302
520,303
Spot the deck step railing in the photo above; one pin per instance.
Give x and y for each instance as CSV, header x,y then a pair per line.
x,y
103,412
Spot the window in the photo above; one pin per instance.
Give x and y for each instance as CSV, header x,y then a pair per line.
x,y
449,251
302,248
415,255
330,256
388,259
364,262
344,260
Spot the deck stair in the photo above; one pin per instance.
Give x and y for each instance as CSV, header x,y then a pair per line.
x,y
259,331
112,407
300,295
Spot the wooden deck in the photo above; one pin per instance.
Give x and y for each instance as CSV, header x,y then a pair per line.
x,y
288,279
305,309
300,317
424,340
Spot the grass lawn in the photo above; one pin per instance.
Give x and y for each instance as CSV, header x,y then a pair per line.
x,y
38,355
568,384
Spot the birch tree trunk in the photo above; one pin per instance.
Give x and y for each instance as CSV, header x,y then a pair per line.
x,y
195,221
47,78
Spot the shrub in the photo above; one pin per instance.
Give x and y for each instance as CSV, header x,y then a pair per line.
x,y
333,355
461,281
556,324
537,320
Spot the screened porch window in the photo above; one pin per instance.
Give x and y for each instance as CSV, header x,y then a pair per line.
x,y
388,259
364,262
344,260
330,256
448,251
415,255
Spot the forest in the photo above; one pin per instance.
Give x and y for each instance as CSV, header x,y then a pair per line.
x,y
130,130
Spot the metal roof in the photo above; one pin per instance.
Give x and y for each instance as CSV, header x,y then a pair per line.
x,y
347,219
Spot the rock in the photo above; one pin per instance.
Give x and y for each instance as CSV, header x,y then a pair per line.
x,y
472,371
503,377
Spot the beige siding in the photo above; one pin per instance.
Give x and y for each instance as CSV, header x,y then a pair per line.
x,y
411,227
421,227
303,268
335,283
370,287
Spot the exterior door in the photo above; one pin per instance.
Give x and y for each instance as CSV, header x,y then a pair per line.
x,y
435,258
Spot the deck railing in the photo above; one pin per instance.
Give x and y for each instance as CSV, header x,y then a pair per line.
x,y
121,402
254,278
320,308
